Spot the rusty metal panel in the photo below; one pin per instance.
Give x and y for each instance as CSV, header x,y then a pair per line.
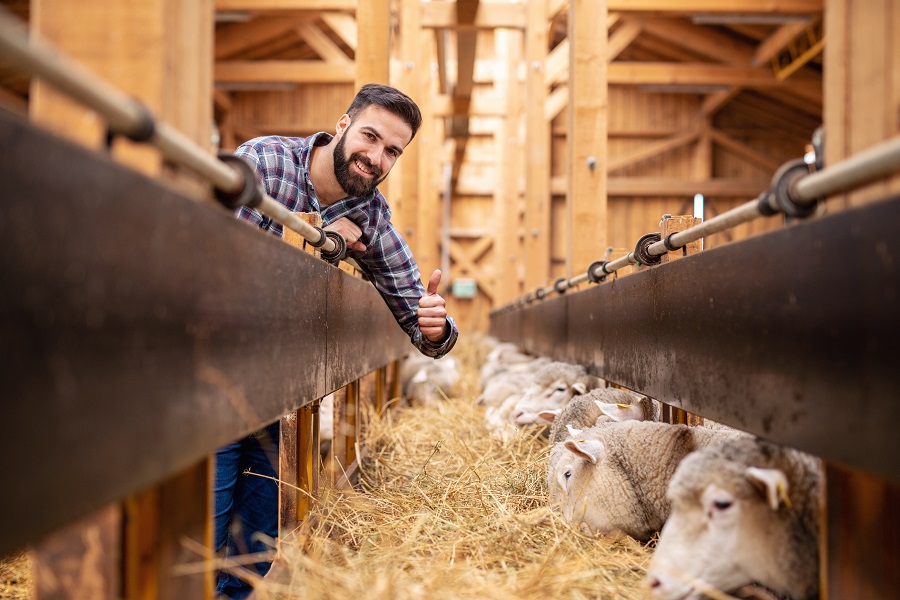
x,y
140,330
543,327
791,335
362,333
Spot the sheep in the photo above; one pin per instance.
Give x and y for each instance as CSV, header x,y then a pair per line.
x,y
746,511
597,406
326,425
612,479
555,384
513,379
502,356
426,379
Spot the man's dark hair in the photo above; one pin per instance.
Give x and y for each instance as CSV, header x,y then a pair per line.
x,y
390,99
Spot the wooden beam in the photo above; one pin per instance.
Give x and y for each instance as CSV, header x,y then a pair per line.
x,y
586,139
664,187
234,38
776,42
714,102
655,149
556,64
490,15
283,5
622,38
373,53
482,105
283,71
537,151
322,44
746,152
658,73
344,26
700,40
775,7
556,102
411,59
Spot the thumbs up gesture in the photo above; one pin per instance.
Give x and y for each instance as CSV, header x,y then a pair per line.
x,y
432,310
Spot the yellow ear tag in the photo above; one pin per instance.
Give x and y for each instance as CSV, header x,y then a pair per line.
x,y
623,406
782,493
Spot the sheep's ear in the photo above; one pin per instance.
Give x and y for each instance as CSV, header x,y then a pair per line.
x,y
572,431
772,483
593,450
579,388
549,415
619,412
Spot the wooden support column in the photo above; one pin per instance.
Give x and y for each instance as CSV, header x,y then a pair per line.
x,y
373,21
861,85
160,52
410,61
509,167
586,137
537,153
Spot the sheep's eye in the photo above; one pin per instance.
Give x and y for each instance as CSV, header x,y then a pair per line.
x,y
722,504
567,474
561,388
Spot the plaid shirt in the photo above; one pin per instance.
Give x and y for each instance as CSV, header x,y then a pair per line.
x,y
283,165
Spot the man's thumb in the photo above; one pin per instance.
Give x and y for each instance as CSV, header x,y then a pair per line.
x,y
434,282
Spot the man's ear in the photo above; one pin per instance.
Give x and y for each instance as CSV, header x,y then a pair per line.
x,y
342,124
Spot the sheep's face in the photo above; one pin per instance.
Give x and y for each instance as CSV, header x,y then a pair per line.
x,y
581,485
723,536
539,399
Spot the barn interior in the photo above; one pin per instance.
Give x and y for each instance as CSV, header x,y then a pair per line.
x,y
556,134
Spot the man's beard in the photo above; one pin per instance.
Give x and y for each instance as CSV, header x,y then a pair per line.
x,y
351,182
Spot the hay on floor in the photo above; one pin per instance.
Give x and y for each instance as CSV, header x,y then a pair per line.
x,y
446,510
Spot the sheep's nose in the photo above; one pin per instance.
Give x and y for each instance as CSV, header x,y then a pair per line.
x,y
516,415
654,583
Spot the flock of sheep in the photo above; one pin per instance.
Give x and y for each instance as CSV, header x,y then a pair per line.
x,y
731,510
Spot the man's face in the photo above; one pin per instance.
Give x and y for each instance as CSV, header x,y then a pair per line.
x,y
367,149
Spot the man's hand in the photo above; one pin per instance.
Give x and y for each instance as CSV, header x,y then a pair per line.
x,y
432,310
350,232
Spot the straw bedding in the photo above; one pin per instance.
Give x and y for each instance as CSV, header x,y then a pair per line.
x,y
445,510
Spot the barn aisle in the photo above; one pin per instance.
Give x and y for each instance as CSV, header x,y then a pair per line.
x,y
444,510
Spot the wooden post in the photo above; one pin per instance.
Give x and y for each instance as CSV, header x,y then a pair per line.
x,y
536,159
860,541
668,225
586,136
298,459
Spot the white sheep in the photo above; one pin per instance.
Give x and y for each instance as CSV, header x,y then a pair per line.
x,y
597,406
612,479
555,384
744,512
502,356
427,380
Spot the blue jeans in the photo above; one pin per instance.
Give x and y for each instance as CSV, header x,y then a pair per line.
x,y
246,504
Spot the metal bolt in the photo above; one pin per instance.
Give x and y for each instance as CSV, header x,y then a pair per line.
x,y
591,162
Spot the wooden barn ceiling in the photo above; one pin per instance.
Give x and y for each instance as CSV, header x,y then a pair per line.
x,y
753,54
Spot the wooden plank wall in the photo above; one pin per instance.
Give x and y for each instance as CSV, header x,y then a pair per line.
x,y
299,112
